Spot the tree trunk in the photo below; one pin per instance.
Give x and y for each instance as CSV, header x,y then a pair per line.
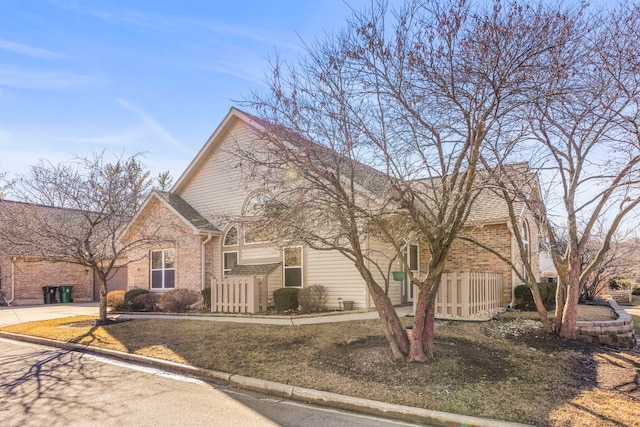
x,y
393,329
102,320
540,308
422,344
429,331
569,325
416,352
560,303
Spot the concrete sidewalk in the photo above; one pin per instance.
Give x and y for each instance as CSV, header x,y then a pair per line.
x,y
21,314
30,313
311,319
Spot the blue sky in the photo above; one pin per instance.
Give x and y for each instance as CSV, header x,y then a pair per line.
x,y
156,77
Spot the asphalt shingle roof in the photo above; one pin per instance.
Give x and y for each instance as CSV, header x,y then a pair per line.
x,y
187,211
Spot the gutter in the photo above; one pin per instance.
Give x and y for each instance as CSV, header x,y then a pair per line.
x,y
13,280
203,260
513,275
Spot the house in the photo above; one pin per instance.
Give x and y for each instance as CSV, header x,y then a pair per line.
x,y
205,251
24,273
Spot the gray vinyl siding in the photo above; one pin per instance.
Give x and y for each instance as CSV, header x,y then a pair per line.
x,y
217,188
338,274
382,255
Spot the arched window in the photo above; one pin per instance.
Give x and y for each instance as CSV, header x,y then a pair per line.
x,y
252,210
255,203
231,238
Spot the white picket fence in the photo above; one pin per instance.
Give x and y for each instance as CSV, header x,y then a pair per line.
x,y
239,295
465,293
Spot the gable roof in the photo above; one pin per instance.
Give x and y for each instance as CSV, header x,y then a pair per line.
x,y
233,116
183,210
488,207
186,211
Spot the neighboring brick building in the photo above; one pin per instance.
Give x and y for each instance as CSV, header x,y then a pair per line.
x,y
23,275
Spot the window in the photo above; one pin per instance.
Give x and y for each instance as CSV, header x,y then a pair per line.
x,y
229,261
231,238
254,205
253,208
293,267
163,272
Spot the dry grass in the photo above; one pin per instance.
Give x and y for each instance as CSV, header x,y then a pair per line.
x,y
507,369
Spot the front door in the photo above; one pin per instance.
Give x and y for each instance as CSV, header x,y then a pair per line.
x,y
413,259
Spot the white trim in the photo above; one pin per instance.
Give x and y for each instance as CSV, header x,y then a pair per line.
x,y
163,269
301,267
224,239
407,282
225,271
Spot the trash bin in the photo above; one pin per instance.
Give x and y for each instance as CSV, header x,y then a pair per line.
x,y
49,293
65,293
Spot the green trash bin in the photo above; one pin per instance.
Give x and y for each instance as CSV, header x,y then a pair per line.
x,y
65,293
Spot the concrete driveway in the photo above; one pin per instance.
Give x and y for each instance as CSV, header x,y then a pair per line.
x,y
30,313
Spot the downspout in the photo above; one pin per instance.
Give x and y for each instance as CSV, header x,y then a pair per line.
x,y
203,259
513,274
13,280
514,250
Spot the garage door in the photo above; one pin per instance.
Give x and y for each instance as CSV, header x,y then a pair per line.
x,y
117,280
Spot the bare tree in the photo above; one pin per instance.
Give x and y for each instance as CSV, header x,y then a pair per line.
x,y
164,181
619,262
414,94
518,188
75,212
587,123
4,184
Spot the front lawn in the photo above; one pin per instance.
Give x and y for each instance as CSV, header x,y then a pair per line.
x,y
507,369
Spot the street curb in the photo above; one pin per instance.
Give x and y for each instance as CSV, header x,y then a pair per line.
x,y
323,398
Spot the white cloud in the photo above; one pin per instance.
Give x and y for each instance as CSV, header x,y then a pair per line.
x,y
24,49
151,125
43,80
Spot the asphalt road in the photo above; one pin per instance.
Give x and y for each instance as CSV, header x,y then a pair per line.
x,y
51,387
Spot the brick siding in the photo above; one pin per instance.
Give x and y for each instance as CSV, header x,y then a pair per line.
x,y
30,276
176,235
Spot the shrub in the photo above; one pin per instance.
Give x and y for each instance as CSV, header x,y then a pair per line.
x,y
286,299
130,295
547,292
179,300
620,284
145,302
312,298
206,298
524,297
115,300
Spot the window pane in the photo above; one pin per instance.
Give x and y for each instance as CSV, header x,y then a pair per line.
x,y
231,238
255,205
230,260
293,277
156,260
156,279
169,258
169,278
293,257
